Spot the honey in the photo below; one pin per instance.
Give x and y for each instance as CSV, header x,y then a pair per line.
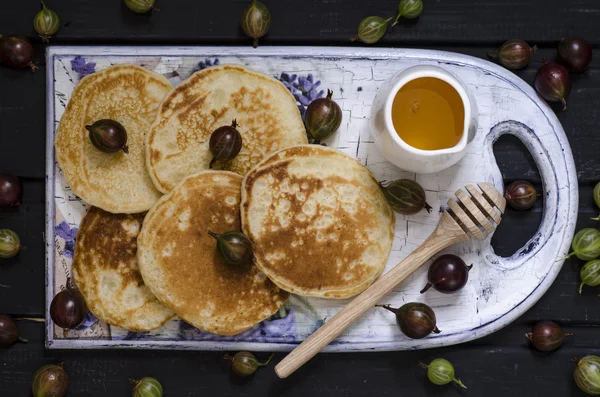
x,y
428,114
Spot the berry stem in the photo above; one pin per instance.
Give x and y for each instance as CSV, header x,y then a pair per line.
x,y
429,285
35,320
459,383
388,307
215,235
266,362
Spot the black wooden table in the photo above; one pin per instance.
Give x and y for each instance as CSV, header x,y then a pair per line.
x,y
501,364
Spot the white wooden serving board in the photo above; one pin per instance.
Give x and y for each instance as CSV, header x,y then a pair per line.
x,y
499,289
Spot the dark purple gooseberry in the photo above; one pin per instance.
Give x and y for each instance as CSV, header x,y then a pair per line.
x,y
68,309
447,274
553,83
520,195
575,53
108,136
225,143
416,320
235,248
11,190
546,336
9,333
17,52
323,117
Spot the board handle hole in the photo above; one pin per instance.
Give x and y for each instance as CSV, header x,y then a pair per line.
x,y
517,227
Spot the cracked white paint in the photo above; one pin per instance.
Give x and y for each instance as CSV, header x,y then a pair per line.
x,y
499,289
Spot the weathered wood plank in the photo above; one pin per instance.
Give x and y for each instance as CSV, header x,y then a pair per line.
x,y
314,22
491,366
25,274
22,122
502,364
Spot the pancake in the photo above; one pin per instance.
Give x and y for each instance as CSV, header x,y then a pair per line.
x,y
300,151
265,110
318,221
118,183
106,272
180,263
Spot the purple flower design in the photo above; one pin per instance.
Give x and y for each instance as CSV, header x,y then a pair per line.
x,y
81,66
207,63
279,328
67,233
88,322
303,88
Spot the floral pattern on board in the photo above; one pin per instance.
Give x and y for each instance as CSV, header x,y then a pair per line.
x,y
280,328
207,63
81,66
303,88
287,326
67,233
89,322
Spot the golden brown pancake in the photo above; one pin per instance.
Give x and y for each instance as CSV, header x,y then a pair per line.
x,y
180,263
118,183
106,272
319,223
178,142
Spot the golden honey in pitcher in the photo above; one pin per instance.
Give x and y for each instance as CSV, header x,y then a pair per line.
x,y
428,114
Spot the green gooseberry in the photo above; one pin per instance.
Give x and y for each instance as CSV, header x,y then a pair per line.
x,y
597,199
244,364
586,244
10,244
441,372
46,22
147,387
409,9
371,29
587,375
590,274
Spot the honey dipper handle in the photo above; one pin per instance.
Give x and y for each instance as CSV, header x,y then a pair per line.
x,y
447,233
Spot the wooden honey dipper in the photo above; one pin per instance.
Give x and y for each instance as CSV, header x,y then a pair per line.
x,y
469,216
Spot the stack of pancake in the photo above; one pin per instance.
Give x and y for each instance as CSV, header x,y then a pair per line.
x,y
318,222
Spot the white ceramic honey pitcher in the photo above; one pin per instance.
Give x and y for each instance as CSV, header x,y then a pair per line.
x,y
394,148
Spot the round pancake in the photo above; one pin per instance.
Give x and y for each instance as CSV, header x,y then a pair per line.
x,y
179,260
106,272
118,183
318,221
265,110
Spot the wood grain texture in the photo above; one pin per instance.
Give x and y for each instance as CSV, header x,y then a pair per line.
x,y
501,364
320,22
